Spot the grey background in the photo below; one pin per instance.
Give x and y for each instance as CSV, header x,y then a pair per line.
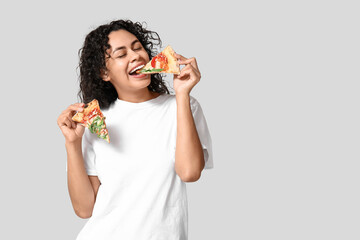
x,y
279,89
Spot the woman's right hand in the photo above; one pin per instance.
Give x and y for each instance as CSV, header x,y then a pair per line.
x,y
71,130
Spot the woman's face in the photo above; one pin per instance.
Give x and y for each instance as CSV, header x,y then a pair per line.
x,y
127,53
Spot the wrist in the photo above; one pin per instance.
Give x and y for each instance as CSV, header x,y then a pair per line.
x,y
72,143
182,96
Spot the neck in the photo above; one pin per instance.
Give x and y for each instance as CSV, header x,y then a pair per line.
x,y
138,96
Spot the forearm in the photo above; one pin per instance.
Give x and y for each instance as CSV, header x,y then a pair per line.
x,y
189,156
79,186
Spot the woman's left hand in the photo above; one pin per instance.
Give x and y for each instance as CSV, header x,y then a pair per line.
x,y
189,76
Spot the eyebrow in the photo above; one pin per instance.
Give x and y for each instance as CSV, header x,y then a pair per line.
x,y
123,47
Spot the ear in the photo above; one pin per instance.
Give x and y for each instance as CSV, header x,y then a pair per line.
x,y
104,75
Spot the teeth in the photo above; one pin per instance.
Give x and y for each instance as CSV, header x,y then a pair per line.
x,y
137,68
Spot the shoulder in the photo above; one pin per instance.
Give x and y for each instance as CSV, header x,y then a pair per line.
x,y
172,97
194,103
169,99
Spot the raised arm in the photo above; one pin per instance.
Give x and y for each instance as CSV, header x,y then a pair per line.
x,y
189,155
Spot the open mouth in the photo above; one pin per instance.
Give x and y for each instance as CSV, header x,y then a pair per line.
x,y
133,72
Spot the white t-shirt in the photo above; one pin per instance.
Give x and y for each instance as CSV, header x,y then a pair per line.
x,y
140,197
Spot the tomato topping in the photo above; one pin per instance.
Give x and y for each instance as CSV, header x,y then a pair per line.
x,y
92,114
161,59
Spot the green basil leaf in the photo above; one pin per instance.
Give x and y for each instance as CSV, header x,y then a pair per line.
x,y
151,70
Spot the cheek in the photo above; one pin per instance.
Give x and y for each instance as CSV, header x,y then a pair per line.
x,y
117,71
145,56
120,67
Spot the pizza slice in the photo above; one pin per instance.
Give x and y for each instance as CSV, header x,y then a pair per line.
x,y
164,62
92,118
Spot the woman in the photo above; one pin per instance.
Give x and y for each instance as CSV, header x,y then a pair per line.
x,y
134,187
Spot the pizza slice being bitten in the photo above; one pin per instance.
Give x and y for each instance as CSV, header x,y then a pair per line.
x,y
93,119
164,62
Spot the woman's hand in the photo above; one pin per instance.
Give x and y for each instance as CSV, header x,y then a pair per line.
x,y
189,76
71,130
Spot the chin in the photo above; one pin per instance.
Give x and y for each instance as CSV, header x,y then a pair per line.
x,y
143,82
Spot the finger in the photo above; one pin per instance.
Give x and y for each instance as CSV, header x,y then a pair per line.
x,y
183,71
80,125
189,66
80,106
72,123
189,69
189,72
184,62
77,104
66,123
178,56
61,120
76,107
70,114
191,61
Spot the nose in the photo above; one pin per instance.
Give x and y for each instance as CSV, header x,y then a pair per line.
x,y
134,56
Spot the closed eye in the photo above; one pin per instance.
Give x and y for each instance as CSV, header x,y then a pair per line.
x,y
135,49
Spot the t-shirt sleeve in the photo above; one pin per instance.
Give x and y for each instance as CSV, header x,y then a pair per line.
x,y
88,155
203,132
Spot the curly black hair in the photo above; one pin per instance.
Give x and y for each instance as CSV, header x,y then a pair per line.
x,y
92,61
